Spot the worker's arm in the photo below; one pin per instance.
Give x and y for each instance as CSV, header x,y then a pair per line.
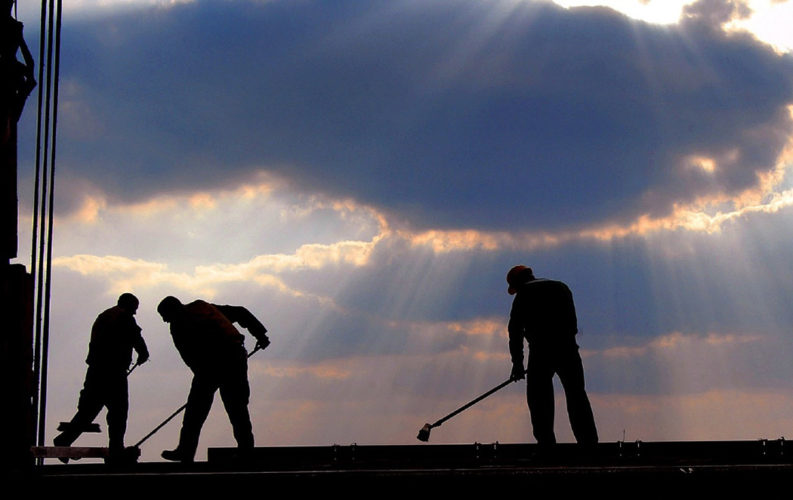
x,y
244,318
140,346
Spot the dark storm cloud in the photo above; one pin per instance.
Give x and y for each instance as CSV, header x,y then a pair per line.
x,y
443,114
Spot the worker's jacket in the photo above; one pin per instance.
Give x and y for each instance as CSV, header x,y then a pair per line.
x,y
113,337
543,313
206,338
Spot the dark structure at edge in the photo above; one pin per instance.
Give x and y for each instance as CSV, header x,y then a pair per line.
x,y
731,469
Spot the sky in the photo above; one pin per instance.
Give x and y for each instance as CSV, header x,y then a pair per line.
x,y
361,176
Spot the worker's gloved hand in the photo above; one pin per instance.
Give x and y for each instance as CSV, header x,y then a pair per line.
x,y
517,372
262,343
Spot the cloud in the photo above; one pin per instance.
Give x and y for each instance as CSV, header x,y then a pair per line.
x,y
716,13
457,116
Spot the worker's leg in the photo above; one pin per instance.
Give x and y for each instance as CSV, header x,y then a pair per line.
x,y
117,411
582,421
199,402
539,395
88,407
235,393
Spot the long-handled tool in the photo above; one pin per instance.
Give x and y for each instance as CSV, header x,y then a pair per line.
x,y
178,411
424,433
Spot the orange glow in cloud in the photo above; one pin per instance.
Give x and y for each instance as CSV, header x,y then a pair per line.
x,y
326,370
710,415
676,343
702,163
479,326
202,201
95,207
90,209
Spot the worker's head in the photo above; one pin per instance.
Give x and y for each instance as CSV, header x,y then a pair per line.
x,y
169,308
128,302
517,276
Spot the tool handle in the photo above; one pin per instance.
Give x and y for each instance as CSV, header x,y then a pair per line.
x,y
147,436
480,398
132,368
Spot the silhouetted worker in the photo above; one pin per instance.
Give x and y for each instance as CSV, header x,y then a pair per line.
x,y
17,77
543,313
211,346
113,337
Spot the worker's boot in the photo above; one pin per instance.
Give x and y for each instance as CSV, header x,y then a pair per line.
x,y
177,455
63,439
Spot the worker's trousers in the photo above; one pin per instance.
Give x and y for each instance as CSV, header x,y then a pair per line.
x,y
102,388
231,379
562,359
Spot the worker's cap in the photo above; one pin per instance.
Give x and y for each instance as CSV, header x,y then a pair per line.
x,y
517,276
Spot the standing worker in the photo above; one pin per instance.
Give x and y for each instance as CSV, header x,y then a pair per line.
x,y
113,337
543,313
214,350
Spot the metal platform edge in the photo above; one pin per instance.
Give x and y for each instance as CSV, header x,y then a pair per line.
x,y
732,469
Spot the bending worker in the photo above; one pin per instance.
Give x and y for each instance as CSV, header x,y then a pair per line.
x,y
543,313
214,351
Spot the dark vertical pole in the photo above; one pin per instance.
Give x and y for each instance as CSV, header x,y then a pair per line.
x,y
50,224
40,271
34,252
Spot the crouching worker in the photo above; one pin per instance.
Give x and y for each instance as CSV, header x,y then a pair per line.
x,y
214,350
